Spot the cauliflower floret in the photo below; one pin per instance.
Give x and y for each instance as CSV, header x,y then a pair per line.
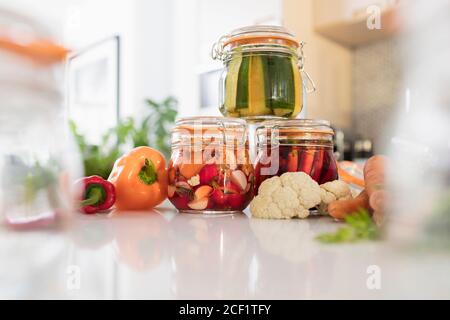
x,y
283,204
269,186
285,197
308,190
332,191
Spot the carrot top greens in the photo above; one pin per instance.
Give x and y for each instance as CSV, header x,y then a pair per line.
x,y
359,227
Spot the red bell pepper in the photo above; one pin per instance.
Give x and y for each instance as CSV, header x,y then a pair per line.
x,y
98,194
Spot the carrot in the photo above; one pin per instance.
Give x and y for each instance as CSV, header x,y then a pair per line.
x,y
378,217
293,161
346,177
340,208
306,161
374,178
377,200
374,174
373,197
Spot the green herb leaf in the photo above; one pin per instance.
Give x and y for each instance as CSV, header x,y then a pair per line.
x,y
359,227
182,191
153,130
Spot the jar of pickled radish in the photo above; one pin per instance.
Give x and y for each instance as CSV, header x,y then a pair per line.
x,y
210,170
295,145
263,73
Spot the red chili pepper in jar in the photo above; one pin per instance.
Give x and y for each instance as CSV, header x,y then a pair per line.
x,y
98,194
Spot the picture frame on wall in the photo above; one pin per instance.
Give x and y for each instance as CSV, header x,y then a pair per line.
x,y
93,88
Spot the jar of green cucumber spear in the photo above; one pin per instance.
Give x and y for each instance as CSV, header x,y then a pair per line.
x,y
264,73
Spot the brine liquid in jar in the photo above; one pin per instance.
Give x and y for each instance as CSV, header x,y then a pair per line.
x,y
300,145
263,73
210,169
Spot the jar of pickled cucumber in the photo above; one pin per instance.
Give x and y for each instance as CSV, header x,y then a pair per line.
x,y
263,73
298,145
210,171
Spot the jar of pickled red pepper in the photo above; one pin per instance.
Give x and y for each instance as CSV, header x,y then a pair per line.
x,y
210,170
264,73
300,145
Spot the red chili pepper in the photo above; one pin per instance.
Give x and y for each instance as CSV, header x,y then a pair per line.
x,y
98,194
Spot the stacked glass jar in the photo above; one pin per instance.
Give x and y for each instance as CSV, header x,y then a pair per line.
x,y
265,85
298,145
210,170
263,75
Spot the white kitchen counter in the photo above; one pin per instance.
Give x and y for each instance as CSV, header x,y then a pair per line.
x,y
163,255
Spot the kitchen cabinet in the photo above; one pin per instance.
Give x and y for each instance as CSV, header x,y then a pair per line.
x,y
355,23
328,63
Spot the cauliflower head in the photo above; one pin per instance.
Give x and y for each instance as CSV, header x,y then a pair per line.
x,y
332,191
285,197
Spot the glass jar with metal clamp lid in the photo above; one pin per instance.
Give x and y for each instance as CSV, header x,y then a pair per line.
x,y
298,145
263,73
210,169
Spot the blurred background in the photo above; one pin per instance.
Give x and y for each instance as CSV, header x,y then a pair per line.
x,y
138,49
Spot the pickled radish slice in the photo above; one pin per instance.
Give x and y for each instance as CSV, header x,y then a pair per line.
x,y
239,179
183,184
292,164
199,204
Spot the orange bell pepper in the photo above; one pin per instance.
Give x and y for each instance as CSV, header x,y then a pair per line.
x,y
140,178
